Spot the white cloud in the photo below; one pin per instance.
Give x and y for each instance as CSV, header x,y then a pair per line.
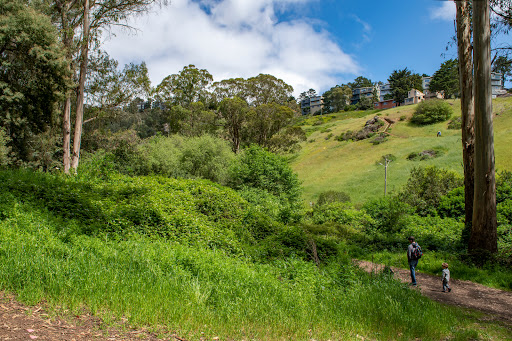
x,y
446,11
233,38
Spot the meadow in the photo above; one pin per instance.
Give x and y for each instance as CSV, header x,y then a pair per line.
x,y
352,166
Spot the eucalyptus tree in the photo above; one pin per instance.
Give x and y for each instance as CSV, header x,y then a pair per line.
x,y
266,120
267,89
465,61
81,23
109,88
337,98
484,225
186,87
234,112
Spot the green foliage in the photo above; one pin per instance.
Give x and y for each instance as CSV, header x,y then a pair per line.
x,y
360,82
33,75
337,98
258,168
4,149
365,103
432,111
435,233
332,196
186,87
426,186
203,157
389,213
402,81
452,204
341,213
446,79
287,140
455,124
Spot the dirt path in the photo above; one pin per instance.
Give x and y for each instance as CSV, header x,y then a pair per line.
x,y
19,322
495,303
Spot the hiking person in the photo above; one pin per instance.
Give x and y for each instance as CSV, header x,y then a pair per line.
x,y
446,278
413,255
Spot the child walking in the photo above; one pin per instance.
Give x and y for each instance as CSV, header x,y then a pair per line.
x,y
446,278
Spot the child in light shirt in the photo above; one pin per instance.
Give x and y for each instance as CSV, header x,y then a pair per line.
x,y
446,278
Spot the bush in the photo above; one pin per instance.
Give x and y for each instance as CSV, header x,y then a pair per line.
x,y
380,138
257,168
341,213
389,213
452,204
426,186
432,111
435,233
203,157
332,196
455,124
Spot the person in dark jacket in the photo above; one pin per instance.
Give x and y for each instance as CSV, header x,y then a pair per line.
x,y
413,261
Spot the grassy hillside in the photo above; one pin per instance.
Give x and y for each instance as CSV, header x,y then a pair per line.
x,y
327,164
174,255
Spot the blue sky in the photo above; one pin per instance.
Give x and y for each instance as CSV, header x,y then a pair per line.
x,y
308,43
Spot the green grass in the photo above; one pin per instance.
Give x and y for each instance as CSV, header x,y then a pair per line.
x,y
191,289
351,167
206,293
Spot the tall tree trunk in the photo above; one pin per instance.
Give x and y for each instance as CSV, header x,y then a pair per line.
x,y
81,85
484,231
67,40
467,109
66,131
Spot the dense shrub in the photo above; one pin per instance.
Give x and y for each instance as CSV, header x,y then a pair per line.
x,y
332,196
388,213
455,124
203,157
426,186
432,111
435,233
452,204
341,213
257,168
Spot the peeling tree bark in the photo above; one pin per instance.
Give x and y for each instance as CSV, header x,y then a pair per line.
x,y
483,237
467,108
81,86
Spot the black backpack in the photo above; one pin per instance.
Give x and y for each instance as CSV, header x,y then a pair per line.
x,y
416,251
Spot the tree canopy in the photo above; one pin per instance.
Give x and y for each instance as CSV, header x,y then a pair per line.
x,y
337,98
33,74
446,79
402,81
360,82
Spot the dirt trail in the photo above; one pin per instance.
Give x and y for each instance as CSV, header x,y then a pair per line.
x,y
19,322
495,303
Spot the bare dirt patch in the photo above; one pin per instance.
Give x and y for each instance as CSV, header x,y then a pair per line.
x,y
20,322
495,303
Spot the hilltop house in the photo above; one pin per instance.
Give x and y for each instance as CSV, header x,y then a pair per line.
x,y
312,105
